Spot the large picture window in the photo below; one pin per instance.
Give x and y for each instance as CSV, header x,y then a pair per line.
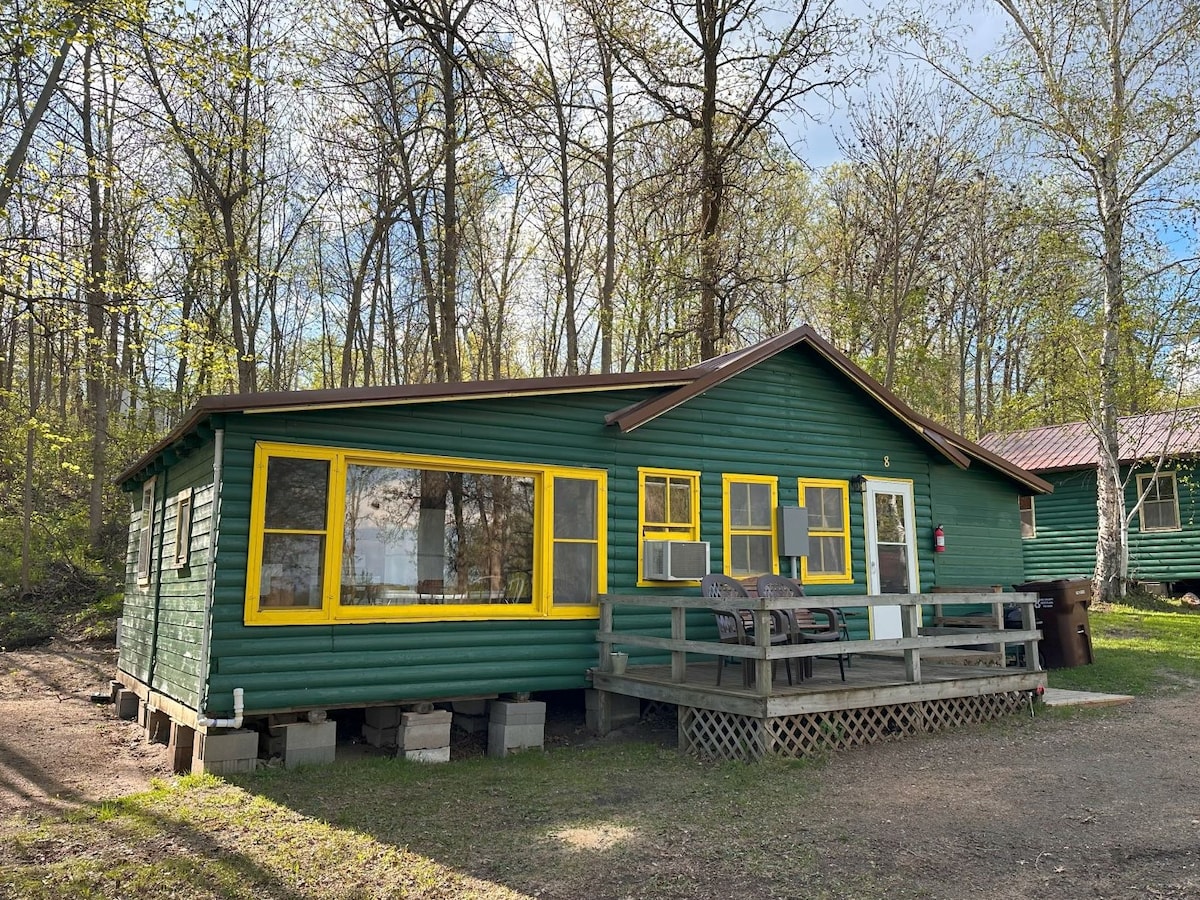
x,y
1160,509
750,502
828,505
421,537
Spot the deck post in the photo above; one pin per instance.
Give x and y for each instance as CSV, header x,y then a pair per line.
x,y
606,627
678,633
1028,623
762,641
910,624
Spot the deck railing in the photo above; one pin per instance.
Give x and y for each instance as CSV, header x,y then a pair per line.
x,y
764,654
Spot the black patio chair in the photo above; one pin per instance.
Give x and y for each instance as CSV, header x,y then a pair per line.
x,y
737,626
804,627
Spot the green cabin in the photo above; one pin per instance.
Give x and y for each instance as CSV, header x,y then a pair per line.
x,y
1159,453
369,546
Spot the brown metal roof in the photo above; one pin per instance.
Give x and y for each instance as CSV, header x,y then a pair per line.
x,y
397,395
678,387
1053,448
714,371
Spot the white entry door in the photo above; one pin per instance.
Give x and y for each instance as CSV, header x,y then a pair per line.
x,y
891,549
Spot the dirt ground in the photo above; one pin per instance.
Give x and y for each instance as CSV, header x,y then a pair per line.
x,y
57,747
1096,804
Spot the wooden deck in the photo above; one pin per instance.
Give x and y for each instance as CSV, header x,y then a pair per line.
x,y
913,684
870,681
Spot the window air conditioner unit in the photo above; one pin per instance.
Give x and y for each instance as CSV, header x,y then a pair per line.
x,y
674,560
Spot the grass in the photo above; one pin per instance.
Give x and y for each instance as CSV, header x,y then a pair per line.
x,y
608,820
1138,651
637,817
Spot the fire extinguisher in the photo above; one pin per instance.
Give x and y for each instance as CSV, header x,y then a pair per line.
x,y
939,540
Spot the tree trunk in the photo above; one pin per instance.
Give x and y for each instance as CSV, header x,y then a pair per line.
x,y
711,181
450,236
1110,495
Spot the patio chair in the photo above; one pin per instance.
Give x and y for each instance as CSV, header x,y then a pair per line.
x,y
737,626
804,627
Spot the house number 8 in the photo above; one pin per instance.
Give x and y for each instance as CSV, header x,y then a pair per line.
x,y
887,462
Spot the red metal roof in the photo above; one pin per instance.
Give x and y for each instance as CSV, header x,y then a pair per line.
x,y
1075,445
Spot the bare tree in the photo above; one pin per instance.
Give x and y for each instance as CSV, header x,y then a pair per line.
x,y
1108,93
722,70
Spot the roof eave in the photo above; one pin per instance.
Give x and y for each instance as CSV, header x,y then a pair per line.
x,y
346,398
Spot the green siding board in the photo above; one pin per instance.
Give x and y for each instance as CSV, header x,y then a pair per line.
x,y
358,695
465,656
1065,546
791,416
981,518
161,622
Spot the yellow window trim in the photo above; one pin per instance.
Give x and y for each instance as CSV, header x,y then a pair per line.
x,y
332,611
728,531
846,577
676,534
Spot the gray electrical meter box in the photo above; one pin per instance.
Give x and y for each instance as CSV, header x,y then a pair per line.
x,y
792,522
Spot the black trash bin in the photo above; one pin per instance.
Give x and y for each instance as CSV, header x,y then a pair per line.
x,y
1063,617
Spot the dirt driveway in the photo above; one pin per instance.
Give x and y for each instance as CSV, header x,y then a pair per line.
x,y
1095,804
57,747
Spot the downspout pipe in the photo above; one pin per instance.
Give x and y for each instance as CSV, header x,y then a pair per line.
x,y
235,722
210,581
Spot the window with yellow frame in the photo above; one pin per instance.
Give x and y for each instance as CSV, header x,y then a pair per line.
x,y
348,535
750,545
828,504
668,508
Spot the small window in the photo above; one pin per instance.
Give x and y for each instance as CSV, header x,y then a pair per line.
x,y
1028,517
828,505
146,533
668,508
1160,508
750,503
183,529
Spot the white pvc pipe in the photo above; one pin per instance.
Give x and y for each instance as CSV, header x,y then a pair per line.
x,y
235,722
210,575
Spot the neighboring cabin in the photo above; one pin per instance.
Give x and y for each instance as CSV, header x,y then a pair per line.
x,y
379,545
1158,459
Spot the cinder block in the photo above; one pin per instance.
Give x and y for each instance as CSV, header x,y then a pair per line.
x,y
310,756
437,717
516,712
305,743
307,735
227,753
158,726
439,755
380,737
180,747
504,739
240,744
128,704
423,737
383,716
226,767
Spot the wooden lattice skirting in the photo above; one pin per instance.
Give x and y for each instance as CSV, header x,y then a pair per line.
x,y
721,735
